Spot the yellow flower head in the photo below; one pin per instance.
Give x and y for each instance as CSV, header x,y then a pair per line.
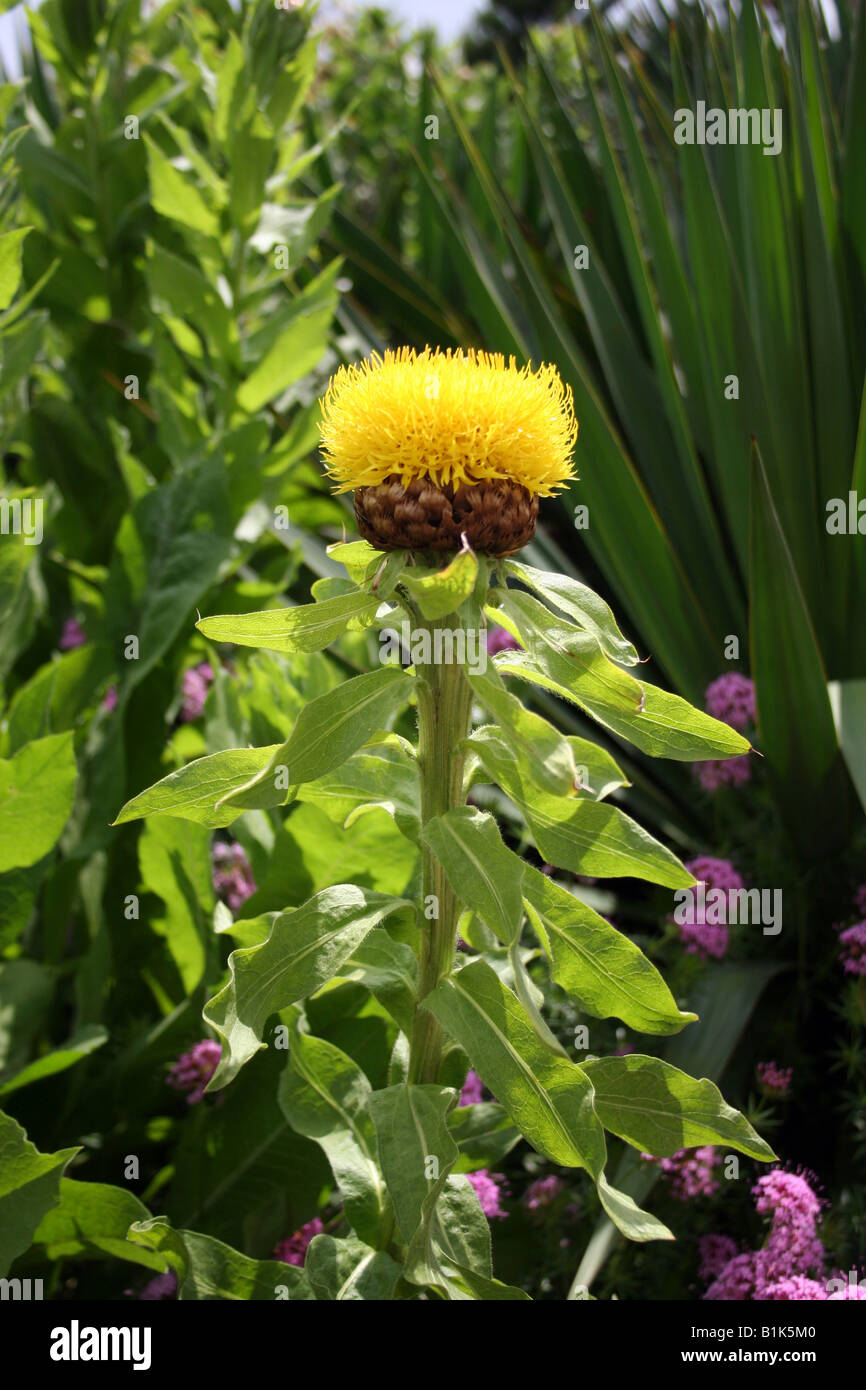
x,y
462,417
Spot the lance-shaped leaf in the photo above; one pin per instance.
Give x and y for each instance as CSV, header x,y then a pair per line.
x,y
325,1096
576,833
84,1042
91,1220
440,592
561,658
328,730
660,1109
193,791
451,1249
485,875
627,1216
580,603
416,1148
29,1187
37,788
596,964
548,1098
305,949
349,1270
389,969
209,1270
385,776
544,753
484,1134
308,628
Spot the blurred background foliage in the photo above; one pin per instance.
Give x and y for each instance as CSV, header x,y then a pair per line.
x,y
205,208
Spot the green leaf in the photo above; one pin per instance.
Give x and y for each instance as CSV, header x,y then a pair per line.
x,y
37,789
579,602
308,628
306,948
208,1270
70,1052
597,965
10,264
91,1220
548,1098
416,1148
484,874
569,662
484,1135
328,730
440,592
576,833
348,1269
659,1109
175,196
543,752
299,345
325,1096
175,863
383,776
193,791
29,1187
389,970
628,1217
848,700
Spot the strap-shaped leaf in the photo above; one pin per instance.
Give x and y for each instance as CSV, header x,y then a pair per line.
x,y
209,1270
305,949
193,791
325,1096
328,730
595,963
548,1098
416,1147
660,1109
485,875
308,628
576,833
581,604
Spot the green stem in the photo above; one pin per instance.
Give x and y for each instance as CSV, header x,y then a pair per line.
x,y
444,712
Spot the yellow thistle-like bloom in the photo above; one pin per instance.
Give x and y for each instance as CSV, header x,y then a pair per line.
x,y
458,419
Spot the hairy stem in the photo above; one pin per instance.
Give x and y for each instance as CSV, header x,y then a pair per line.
x,y
444,711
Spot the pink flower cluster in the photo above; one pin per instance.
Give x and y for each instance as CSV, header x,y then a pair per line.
x,y
293,1250
489,1189
194,1069
543,1192
790,1266
72,636
853,943
699,933
499,640
232,876
691,1172
730,698
775,1079
196,682
473,1090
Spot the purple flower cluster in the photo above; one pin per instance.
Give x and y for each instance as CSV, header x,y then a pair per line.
x,y
499,640
293,1250
473,1090
161,1287
194,1069
860,900
232,876
775,1079
72,636
196,682
691,1172
790,1266
853,942
543,1192
699,933
730,698
489,1189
